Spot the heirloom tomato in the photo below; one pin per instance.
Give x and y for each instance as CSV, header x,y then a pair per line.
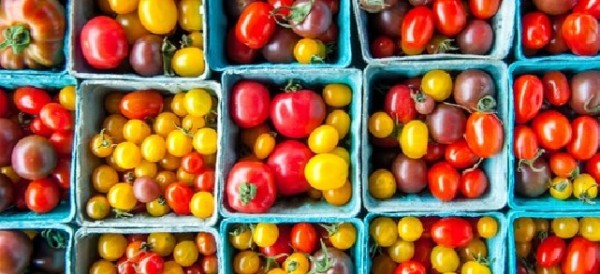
x,y
296,114
104,43
250,187
250,103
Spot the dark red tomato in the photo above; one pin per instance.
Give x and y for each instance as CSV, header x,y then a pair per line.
x,y
256,25
473,183
551,251
554,7
443,181
194,269
557,90
311,24
423,247
459,155
450,16
193,163
238,52
557,44
591,7
383,47
334,5
581,257
62,141
452,232
400,105
141,104
417,30
282,6
330,35
525,145
592,167
38,128
410,267
563,164
435,151
3,103
249,104
528,97
205,181
103,43
34,157
250,187
42,196
584,143
62,173
287,162
151,263
537,30
484,134
56,117
179,196
281,249
484,9
304,238
31,100
296,114
552,129
476,38
387,142
580,32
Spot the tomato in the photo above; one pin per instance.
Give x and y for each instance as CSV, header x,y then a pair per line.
x,y
179,143
410,229
561,188
304,238
265,234
205,181
585,141
241,238
297,263
338,196
443,181
97,207
382,264
450,16
323,139
56,117
413,139
202,205
563,164
31,100
581,257
193,163
382,184
103,43
382,47
337,95
136,131
166,122
326,171
401,251
551,251
384,232
484,134
62,141
127,155
189,17
459,155
437,84
484,9
565,228
172,267
475,267
188,62
340,120
473,251
193,124
585,187
103,267
162,243
158,16
410,267
66,97
151,263
580,32
310,51
113,126
524,230
399,104
593,167
528,97
473,183
589,228
556,88
185,253
342,236
205,141
249,104
42,196
132,26
250,187
452,232
111,247
158,208
444,259
123,6
179,196
255,25
153,148
142,104
525,145
537,30
381,124
121,197
281,249
198,102
417,30
38,128
552,129
246,262
588,6
62,173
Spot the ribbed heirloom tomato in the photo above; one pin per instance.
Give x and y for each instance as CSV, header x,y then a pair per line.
x,y
250,187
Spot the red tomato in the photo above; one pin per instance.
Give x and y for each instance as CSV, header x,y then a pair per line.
x,y
193,163
31,100
141,104
459,155
450,16
443,181
304,238
400,105
151,263
124,266
473,183
552,129
250,187
62,141
563,164
484,9
42,196
256,25
103,43
584,143
297,114
56,117
591,7
417,30
580,32
3,103
592,167
551,251
281,249
435,151
238,52
287,162
410,267
581,257
383,47
205,181
557,90
136,238
249,104
484,134
528,97
334,5
537,30
194,269
282,5
38,128
427,223
423,247
62,173
178,196
452,232
525,145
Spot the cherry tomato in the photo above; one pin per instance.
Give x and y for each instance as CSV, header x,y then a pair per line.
x,y
580,32
556,88
250,187
178,196
162,243
246,262
524,230
42,196
103,43
410,267
121,197
193,163
399,104
62,141
111,247
31,100
338,196
310,51
487,227
205,141
437,84
205,181
166,122
249,104
473,183
202,205
452,232
151,263
525,145
304,238
410,229
592,167
158,16
528,96
581,257
381,124
552,129
381,264
443,181
141,104
38,128
188,62
326,171
255,25
585,187
281,249
61,173
484,9
459,155
551,251
384,231
450,16
537,30
382,184
585,140
383,47
484,134
136,131
417,30
563,164
444,259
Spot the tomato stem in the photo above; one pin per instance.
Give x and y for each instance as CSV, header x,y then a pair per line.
x,y
487,104
292,86
55,239
168,50
296,14
592,110
247,192
530,162
325,263
17,37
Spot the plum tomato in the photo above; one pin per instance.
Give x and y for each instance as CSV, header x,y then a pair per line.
x,y
450,16
31,100
556,88
444,181
417,29
484,134
537,30
141,104
528,97
484,9
584,143
256,25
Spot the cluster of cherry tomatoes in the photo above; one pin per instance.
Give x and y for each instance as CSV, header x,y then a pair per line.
x,y
306,152
432,26
431,245
301,248
559,26
557,135
36,139
143,31
560,245
156,253
430,129
281,31
160,155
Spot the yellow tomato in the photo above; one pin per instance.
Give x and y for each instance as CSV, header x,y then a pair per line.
x,y
524,230
343,236
337,95
246,262
172,267
121,197
277,271
401,251
185,177
308,51
132,26
113,126
297,263
165,123
339,196
248,136
340,120
202,205
158,208
146,169
265,143
165,178
103,178
178,104
190,18
561,188
127,155
179,143
198,102
67,97
410,229
170,162
192,124
326,171
437,84
413,139
382,184
474,267
381,124
444,259
241,237
384,232
97,207
103,267
101,145
188,62
136,131
265,234
323,139
565,228
476,249
205,141
541,225
196,39
111,247
589,228
158,16
123,6
162,243
487,227
585,187
523,249
112,102
342,152
153,148
185,253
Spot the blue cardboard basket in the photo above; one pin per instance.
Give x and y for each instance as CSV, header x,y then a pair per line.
x,y
226,253
495,167
229,134
91,114
65,211
86,241
502,25
545,202
514,215
496,246
218,24
40,226
85,10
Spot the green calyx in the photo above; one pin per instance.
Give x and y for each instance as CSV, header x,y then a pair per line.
x,y
17,37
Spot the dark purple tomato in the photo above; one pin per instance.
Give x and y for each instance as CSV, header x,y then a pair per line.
x,y
50,259
7,192
475,90
554,7
476,38
338,261
330,35
531,180
389,21
382,47
146,190
420,2
237,52
376,6
383,158
280,49
234,8
9,136
34,158
146,55
585,96
316,22
446,124
16,249
557,44
410,174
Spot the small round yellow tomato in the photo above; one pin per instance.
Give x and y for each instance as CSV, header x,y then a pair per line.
x,y
241,238
121,197
265,234
205,141
585,187
437,84
112,102
179,143
474,267
342,152
410,229
103,267
132,26
246,262
190,18
172,267
67,97
475,250
524,230
198,102
158,16
203,205
158,208
127,155
192,124
384,232
196,39
323,139
265,143
113,125
297,263
523,249
170,162
188,62
153,148
165,178
414,138
248,136
340,120
97,207
110,160
136,131
589,228
146,169
382,184
326,171
123,6
165,123
561,188
10,173
162,243
444,259
401,251
103,178
541,225
185,253
565,228
277,271
343,237
337,95
381,124
487,227
310,51
185,177
339,196
111,247
178,104
101,145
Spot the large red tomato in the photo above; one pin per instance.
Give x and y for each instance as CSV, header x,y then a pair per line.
x,y
103,43
581,257
484,134
580,32
287,162
400,105
552,129
296,114
250,103
450,16
417,30
528,93
584,143
452,232
250,187
256,25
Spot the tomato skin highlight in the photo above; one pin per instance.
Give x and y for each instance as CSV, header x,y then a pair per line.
x,y
584,143
417,30
255,25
